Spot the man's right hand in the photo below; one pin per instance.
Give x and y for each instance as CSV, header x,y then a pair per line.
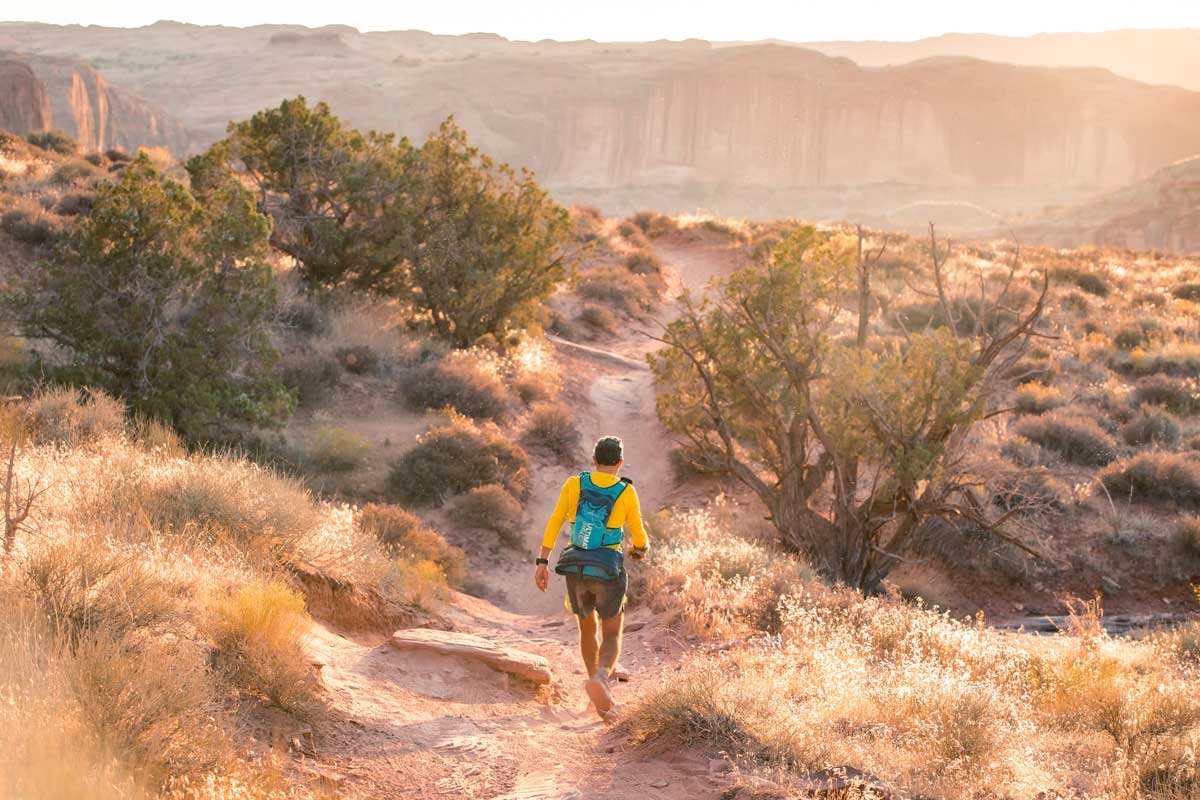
x,y
541,577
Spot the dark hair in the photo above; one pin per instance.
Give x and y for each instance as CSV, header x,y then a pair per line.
x,y
608,451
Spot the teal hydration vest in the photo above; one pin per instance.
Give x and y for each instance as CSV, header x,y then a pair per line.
x,y
590,530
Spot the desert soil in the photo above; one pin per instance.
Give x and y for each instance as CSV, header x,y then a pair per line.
x,y
418,725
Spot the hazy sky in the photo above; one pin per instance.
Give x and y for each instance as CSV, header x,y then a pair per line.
x,y
647,19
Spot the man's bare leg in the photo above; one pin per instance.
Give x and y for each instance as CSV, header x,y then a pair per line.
x,y
589,643
610,651
611,630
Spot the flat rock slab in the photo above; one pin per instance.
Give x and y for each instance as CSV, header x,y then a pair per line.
x,y
524,665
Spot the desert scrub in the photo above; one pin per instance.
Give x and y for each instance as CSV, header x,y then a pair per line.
x,y
1152,428
1167,358
457,382
29,224
455,457
653,223
1178,395
1090,282
1075,438
599,318
336,449
1037,398
311,376
643,262
490,508
620,289
358,359
409,538
552,428
718,583
258,630
1145,477
73,417
1186,534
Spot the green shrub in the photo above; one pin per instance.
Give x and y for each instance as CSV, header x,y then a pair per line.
x,y
1186,534
1187,291
653,223
182,334
643,262
312,377
75,204
336,449
1037,398
600,318
1152,428
1076,439
1089,282
29,224
552,427
1155,476
457,457
54,141
491,508
358,359
456,383
407,536
70,172
617,288
1174,394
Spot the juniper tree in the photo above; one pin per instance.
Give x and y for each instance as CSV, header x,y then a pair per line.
x,y
851,443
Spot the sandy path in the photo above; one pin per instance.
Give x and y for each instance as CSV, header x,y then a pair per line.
x,y
411,725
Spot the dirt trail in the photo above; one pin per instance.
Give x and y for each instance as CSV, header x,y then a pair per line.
x,y
414,725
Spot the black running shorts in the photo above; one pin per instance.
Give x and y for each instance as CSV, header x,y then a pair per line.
x,y
592,594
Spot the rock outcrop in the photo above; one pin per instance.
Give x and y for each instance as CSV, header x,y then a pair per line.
x,y
41,92
24,105
1160,213
526,666
757,130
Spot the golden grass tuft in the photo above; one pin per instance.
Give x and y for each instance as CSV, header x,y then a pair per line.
x,y
258,630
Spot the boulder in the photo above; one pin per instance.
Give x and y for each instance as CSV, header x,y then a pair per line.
x,y
527,666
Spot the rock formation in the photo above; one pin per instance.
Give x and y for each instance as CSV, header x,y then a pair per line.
x,y
24,105
42,92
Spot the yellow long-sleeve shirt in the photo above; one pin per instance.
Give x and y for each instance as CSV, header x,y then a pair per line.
x,y
626,513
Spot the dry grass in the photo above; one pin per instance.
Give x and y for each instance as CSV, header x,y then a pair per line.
x,y
937,707
150,607
258,629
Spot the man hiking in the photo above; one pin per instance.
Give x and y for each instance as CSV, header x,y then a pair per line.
x,y
599,506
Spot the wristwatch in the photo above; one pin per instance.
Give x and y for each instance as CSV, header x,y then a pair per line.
x,y
540,561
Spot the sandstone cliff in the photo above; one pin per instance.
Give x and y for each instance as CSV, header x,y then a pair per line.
x,y
41,92
761,130
24,105
1161,213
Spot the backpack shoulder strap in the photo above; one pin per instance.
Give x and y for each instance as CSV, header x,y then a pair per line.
x,y
627,480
